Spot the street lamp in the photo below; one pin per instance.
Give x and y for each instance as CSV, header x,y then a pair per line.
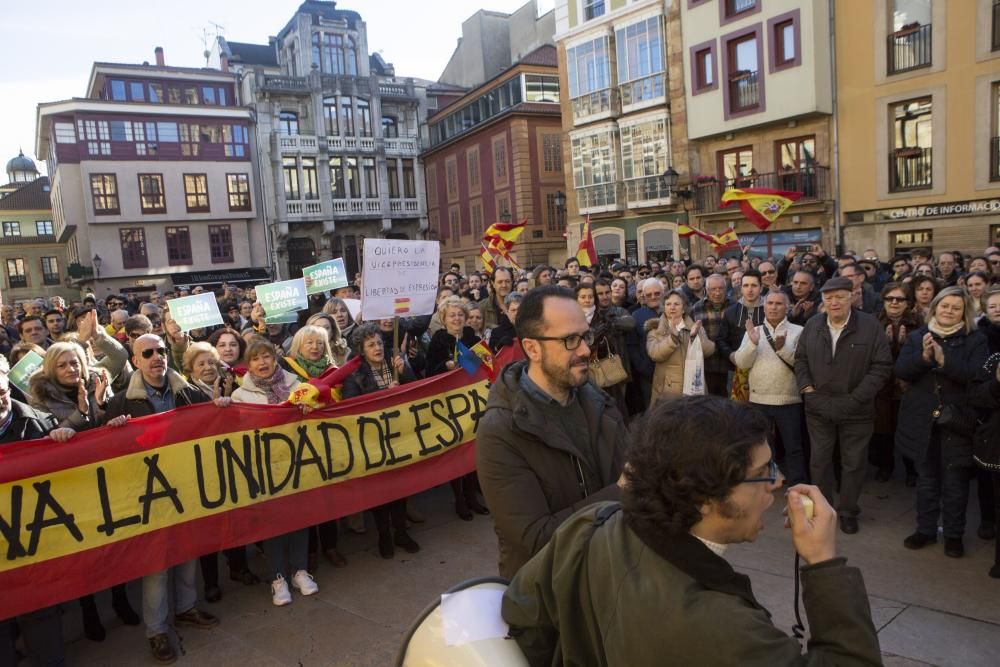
x,y
505,217
670,179
560,200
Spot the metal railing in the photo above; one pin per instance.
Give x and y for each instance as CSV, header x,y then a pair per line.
x,y
995,159
641,90
909,49
606,196
597,102
910,169
647,191
18,281
812,182
744,91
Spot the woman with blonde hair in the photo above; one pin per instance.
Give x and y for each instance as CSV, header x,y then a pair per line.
x,y
337,308
668,343
338,343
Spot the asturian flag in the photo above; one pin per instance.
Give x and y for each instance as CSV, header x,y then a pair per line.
x,y
761,206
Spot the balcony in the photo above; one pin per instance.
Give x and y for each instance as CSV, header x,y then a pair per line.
x,y
995,44
402,145
995,159
744,91
813,183
647,191
285,84
297,143
909,49
910,169
599,198
599,103
365,207
301,208
350,144
411,206
18,281
643,90
397,91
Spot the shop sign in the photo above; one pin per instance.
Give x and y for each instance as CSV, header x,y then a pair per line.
x,y
980,207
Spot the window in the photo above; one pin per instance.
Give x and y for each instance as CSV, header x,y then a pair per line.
x,y
43,228
736,167
371,177
911,157
353,179
503,206
775,244
104,193
346,116
796,160
11,229
589,71
196,193
151,197
50,271
641,62
451,174
592,9
552,153
337,178
393,177
133,243
155,93
118,90
97,135
454,222
645,150
785,40
538,88
334,54
310,184
409,181
432,194
390,127
16,275
995,135
220,242
472,166
330,116
500,160
121,130
903,243
190,136
995,42
137,91
178,246
64,133
593,159
909,45
554,215
235,139
288,123
743,89
290,171
167,132
476,220
364,119
703,66
736,8
208,94
238,189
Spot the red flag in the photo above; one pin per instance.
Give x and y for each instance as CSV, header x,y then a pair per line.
x,y
761,206
586,252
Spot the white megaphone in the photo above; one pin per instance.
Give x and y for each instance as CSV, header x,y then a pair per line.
x,y
462,628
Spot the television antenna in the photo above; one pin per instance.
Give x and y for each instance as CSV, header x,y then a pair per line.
x,y
207,38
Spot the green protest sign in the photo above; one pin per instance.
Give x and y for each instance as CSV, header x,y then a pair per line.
x,y
284,297
283,318
196,311
24,369
325,276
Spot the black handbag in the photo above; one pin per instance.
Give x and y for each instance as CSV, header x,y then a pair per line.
x,y
960,420
986,450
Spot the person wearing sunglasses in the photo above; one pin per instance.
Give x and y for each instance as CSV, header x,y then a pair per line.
x,y
550,441
151,389
645,582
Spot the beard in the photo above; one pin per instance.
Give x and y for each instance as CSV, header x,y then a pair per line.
x,y
565,376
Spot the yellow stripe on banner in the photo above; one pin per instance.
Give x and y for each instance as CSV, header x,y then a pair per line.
x,y
93,505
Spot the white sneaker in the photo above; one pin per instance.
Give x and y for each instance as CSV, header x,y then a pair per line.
x,y
280,595
304,581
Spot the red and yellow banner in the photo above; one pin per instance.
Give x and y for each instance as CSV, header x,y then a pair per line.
x,y
112,505
760,206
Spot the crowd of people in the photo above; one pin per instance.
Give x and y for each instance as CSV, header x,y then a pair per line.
x,y
853,363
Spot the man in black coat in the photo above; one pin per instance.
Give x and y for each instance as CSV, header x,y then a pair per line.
x,y
841,362
41,629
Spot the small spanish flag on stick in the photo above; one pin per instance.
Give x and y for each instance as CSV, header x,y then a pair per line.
x,y
402,305
761,206
725,240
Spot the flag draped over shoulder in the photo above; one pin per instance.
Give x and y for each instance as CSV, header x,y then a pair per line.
x,y
326,389
761,206
586,252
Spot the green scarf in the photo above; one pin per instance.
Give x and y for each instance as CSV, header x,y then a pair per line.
x,y
314,368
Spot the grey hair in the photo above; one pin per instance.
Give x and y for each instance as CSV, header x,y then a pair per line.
x,y
513,297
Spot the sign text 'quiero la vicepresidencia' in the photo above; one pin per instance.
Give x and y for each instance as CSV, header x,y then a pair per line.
x,y
284,297
196,311
400,278
329,275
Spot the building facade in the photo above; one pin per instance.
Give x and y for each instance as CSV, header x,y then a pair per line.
x,y
496,155
34,250
338,135
760,101
625,122
918,85
154,168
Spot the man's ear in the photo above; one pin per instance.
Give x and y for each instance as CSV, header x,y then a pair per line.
x,y
532,349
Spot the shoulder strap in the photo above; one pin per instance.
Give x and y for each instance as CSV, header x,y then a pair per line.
x,y
767,334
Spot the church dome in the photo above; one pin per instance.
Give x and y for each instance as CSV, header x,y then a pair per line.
x,y
21,168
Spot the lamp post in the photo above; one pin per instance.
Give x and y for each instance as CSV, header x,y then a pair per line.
x,y
670,179
97,269
505,217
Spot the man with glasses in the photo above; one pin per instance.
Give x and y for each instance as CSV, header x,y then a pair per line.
x,y
649,293
152,389
863,295
841,363
645,582
994,260
549,442
768,277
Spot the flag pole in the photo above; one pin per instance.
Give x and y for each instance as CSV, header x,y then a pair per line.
x,y
395,346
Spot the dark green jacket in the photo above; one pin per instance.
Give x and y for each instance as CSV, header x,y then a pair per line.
x,y
530,472
598,595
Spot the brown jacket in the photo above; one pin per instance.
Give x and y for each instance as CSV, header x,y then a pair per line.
x,y
669,353
530,473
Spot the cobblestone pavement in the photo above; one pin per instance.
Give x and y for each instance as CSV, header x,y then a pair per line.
x,y
929,609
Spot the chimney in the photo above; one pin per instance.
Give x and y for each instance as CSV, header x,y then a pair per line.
x,y
159,56
224,62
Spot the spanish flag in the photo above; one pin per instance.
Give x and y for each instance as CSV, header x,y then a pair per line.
x,y
725,240
761,206
686,230
586,252
505,233
401,305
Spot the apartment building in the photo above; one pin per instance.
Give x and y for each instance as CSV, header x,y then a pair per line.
x,y
154,169
760,101
625,124
339,138
918,85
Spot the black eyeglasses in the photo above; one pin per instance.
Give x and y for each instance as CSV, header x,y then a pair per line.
x,y
571,341
767,273
148,354
770,478
895,299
